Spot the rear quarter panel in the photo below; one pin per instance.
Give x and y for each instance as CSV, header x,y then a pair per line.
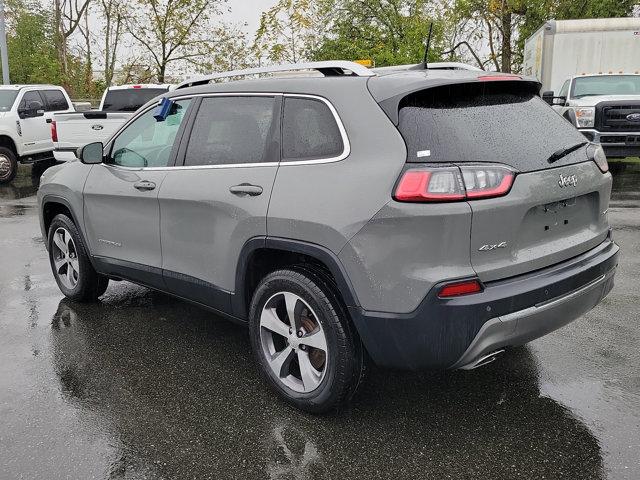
x,y
328,203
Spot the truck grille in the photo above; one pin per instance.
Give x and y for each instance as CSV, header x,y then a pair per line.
x,y
614,118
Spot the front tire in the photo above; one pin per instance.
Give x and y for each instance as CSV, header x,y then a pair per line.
x,y
302,341
8,165
70,262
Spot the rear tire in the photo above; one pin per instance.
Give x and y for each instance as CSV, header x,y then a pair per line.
x,y
315,362
8,165
70,262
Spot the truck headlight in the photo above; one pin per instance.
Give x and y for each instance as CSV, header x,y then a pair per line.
x,y
585,116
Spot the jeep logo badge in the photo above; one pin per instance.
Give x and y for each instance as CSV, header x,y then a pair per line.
x,y
565,181
634,117
97,127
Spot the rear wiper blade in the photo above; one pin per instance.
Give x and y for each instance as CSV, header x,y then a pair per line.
x,y
563,152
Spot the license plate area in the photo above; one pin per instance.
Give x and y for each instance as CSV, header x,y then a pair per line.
x,y
565,215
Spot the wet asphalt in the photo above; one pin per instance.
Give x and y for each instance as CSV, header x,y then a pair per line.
x,y
143,386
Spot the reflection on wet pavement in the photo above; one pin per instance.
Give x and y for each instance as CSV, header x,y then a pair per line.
x,y
144,386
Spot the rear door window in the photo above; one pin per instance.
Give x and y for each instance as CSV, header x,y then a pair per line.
x,y
55,101
485,122
231,130
130,99
309,130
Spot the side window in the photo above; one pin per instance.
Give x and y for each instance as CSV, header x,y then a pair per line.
x,y
309,130
564,91
55,100
148,142
29,97
231,130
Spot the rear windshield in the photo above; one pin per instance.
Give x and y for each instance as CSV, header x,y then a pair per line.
x,y
485,122
130,99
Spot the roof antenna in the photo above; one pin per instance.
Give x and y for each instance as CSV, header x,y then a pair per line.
x,y
426,51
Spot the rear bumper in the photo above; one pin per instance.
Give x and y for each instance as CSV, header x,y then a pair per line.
x,y
457,332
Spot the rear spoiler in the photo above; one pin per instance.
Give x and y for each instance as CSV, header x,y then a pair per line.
x,y
391,104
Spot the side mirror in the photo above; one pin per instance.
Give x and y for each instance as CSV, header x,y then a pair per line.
x,y
33,109
91,154
552,100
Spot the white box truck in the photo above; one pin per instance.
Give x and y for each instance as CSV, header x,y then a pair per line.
x,y
590,74
564,48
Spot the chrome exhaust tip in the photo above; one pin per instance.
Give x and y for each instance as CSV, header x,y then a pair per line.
x,y
484,360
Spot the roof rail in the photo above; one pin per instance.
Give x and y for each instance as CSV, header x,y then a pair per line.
x,y
432,66
328,68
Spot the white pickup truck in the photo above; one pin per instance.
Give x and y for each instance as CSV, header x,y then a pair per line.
x,y
25,114
69,131
605,108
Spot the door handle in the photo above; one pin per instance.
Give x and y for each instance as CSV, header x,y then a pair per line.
x,y
144,185
246,189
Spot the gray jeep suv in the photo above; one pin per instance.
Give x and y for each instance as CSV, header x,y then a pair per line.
x,y
416,218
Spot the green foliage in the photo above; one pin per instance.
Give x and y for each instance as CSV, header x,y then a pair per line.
x,y
32,54
288,31
390,32
170,31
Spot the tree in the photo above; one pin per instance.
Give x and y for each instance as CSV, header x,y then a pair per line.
x,y
113,13
67,15
288,30
32,52
171,31
390,32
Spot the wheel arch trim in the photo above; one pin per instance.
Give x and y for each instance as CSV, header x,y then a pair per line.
x,y
318,252
49,199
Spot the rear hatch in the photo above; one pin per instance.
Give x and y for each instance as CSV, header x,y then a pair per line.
x,y
554,210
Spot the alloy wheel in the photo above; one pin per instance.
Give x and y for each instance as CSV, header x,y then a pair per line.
x,y
293,342
65,258
5,167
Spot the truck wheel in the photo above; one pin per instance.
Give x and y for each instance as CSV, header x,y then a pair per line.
x,y
70,263
302,341
8,165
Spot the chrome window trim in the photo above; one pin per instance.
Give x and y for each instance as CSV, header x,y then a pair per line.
x,y
343,133
346,146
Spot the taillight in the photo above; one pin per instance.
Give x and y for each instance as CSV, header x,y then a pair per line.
x,y
435,185
446,184
596,152
54,131
460,288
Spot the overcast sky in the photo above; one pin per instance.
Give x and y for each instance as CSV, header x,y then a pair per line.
x,y
248,11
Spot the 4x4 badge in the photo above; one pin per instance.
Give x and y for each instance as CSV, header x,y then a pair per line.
x,y
565,181
488,248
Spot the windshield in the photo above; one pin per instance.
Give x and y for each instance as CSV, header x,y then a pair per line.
x,y
606,85
485,122
7,97
130,99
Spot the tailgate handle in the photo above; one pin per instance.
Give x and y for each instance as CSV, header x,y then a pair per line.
x,y
144,185
246,189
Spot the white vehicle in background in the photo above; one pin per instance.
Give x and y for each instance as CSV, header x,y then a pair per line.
x,y
561,49
590,74
70,131
605,108
25,114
